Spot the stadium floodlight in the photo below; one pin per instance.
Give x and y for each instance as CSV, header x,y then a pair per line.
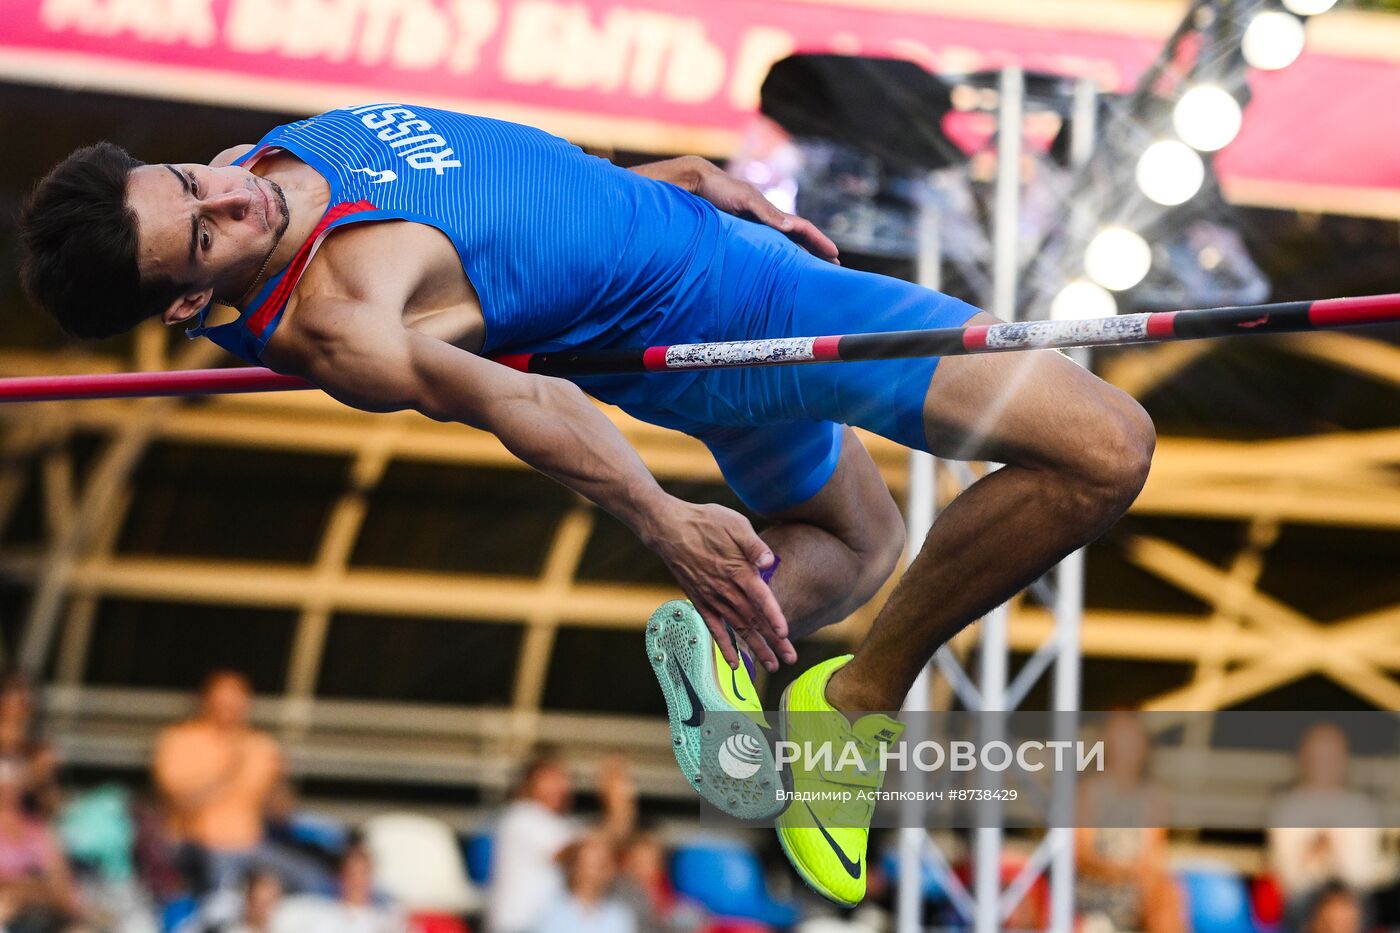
x,y
1309,7
1273,40
1117,258
1082,299
1208,117
1170,172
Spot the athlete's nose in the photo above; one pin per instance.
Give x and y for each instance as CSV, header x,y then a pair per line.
x,y
234,202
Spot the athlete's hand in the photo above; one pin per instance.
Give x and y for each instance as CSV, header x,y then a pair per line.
x,y
715,556
736,196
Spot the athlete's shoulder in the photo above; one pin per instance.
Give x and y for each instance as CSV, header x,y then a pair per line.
x,y
379,264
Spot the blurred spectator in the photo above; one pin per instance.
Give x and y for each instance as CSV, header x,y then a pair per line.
x,y
215,774
1336,909
97,832
1345,852
262,896
22,740
1120,849
355,911
37,894
645,888
285,825
590,865
527,880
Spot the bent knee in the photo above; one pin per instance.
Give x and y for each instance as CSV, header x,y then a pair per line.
x,y
1113,466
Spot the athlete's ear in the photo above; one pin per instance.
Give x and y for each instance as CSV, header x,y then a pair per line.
x,y
185,307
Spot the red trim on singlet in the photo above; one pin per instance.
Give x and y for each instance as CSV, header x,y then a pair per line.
x,y
259,318
251,158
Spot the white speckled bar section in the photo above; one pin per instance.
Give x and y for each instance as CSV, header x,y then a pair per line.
x,y
740,353
1128,328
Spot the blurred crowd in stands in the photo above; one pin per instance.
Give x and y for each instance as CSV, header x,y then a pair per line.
x,y
1326,880
222,846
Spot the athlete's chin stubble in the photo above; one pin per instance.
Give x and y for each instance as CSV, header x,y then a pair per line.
x,y
282,226
286,216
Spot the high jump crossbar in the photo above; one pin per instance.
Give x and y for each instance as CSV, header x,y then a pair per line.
x,y
1124,330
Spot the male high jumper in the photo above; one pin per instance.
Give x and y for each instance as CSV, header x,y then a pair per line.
x,y
458,238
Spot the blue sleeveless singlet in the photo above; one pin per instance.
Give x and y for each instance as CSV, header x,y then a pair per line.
x,y
563,248
566,250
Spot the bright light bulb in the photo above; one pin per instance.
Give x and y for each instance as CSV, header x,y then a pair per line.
x,y
1081,300
1208,118
1273,40
1117,258
1309,7
1170,172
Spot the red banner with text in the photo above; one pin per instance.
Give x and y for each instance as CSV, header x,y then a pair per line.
x,y
666,74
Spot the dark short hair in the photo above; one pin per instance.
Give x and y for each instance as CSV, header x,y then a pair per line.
x,y
543,758
78,242
222,675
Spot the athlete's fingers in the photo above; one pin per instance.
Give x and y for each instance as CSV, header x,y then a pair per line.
x,y
762,644
754,547
757,637
755,597
781,647
723,611
765,609
759,648
811,238
719,630
800,229
754,591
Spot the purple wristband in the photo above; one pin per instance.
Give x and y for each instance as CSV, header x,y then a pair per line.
x,y
767,575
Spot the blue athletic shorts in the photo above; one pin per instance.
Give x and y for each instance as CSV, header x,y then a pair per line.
x,y
775,431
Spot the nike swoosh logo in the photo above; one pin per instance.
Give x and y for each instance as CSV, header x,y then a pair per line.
x,y
697,711
852,868
379,176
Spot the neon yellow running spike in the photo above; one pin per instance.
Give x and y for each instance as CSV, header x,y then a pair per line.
x,y
825,830
718,732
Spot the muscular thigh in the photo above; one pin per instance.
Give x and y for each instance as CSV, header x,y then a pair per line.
x,y
1033,408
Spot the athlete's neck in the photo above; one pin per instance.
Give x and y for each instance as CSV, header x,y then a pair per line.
x,y
307,197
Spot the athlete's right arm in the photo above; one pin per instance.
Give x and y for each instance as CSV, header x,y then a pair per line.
x,y
228,156
368,360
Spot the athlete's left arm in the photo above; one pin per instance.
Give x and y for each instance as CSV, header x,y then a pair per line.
x,y
736,196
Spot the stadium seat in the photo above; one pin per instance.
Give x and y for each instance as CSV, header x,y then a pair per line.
x,y
728,881
1267,901
417,862
1217,898
305,912
173,914
437,923
320,832
478,849
932,888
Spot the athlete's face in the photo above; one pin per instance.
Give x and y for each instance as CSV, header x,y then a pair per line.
x,y
209,228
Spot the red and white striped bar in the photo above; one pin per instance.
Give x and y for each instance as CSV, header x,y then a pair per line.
x,y
1124,330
